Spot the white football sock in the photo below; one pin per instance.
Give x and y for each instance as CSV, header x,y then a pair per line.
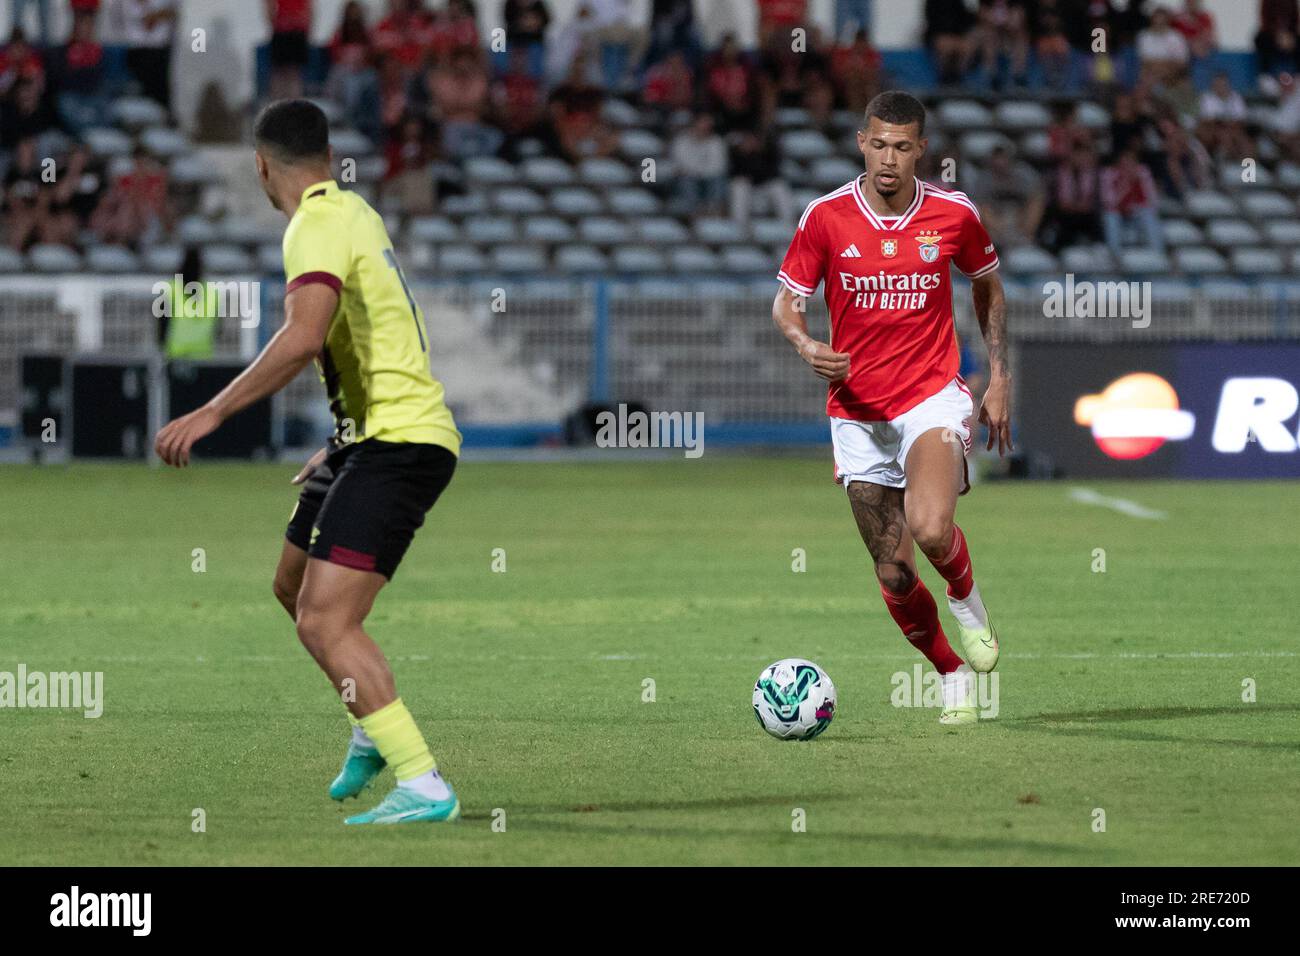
x,y
430,785
361,739
969,611
958,688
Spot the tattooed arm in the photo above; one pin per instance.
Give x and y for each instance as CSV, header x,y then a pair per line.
x,y
991,311
788,313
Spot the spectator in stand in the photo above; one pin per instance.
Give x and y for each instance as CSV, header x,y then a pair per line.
x,y
699,158
1187,164
798,78
136,210
755,161
78,190
149,27
1163,52
947,26
669,85
1128,126
1129,198
408,175
455,30
459,96
576,36
1073,207
1196,25
1051,46
856,71
1065,134
1001,34
1285,121
1011,200
353,80
517,98
26,114
290,25
526,22
1223,121
17,10
731,88
621,43
80,68
672,28
1277,41
778,18
26,198
19,61
576,128
404,35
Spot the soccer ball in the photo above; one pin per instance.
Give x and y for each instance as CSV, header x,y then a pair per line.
x,y
794,699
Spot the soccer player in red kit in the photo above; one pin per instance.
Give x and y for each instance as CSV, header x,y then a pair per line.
x,y
900,414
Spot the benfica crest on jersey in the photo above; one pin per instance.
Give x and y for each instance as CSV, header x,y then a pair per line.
x,y
929,247
889,248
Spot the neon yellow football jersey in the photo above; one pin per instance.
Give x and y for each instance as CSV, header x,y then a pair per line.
x,y
375,363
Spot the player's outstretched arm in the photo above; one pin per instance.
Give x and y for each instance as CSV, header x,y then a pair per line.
x,y
991,311
307,314
788,311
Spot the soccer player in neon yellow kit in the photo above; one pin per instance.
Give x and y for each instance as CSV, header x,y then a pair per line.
x,y
394,450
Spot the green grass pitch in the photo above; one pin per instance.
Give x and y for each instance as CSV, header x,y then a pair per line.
x,y
1119,690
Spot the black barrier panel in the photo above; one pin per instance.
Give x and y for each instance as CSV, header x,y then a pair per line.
x,y
110,409
1188,410
246,435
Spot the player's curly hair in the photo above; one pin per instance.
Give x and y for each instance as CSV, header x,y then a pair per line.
x,y
293,131
898,107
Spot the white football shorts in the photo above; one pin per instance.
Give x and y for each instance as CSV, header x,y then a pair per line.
x,y
876,452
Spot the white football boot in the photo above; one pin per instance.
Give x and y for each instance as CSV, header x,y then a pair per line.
x,y
958,689
979,641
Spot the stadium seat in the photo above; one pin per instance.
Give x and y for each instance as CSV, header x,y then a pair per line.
x,y
1021,115
433,229
979,146
1295,261
196,230
692,258
1035,145
1199,260
792,117
11,261
771,231
958,114
831,172
603,230
574,258
748,259
333,110
104,141
575,201
192,169
1093,258
1228,291
112,259
633,201
599,171
1288,175
1283,232
419,257
489,171
270,257
1231,233
1029,260
547,229
164,259
715,230
639,144
45,257
638,259
464,204
1093,115
242,231
1144,261
712,289
546,172
517,199
1202,204
660,229
518,258
136,112
164,142
371,169
620,113
1231,176
488,230
1258,262
350,144
1266,204
461,258
1181,232
805,144
224,259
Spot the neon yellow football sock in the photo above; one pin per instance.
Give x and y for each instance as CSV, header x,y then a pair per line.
x,y
399,740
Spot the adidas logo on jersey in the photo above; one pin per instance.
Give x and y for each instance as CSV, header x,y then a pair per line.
x,y
851,252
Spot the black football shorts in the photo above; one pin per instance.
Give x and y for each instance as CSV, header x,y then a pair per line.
x,y
363,504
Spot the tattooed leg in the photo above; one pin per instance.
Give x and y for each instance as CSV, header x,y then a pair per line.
x,y
882,522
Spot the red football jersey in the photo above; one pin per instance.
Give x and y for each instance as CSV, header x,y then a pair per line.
x,y
889,291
